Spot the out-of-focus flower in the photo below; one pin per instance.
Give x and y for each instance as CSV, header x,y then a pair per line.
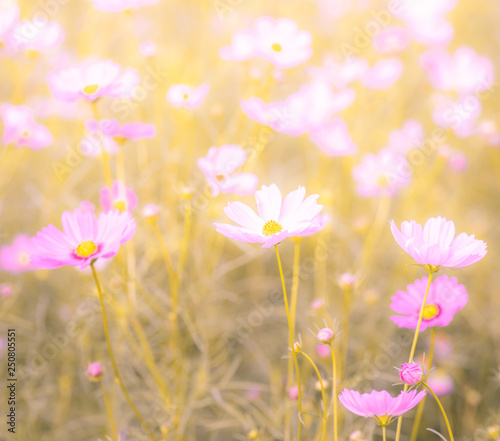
x,y
333,138
440,382
380,405
464,72
29,35
147,48
118,197
93,80
21,129
9,16
339,74
277,219
410,136
253,393
116,6
293,393
323,351
150,211
460,114
411,373
357,435
219,166
109,134
347,280
188,97
317,304
278,41
383,74
95,371
445,298
436,244
458,161
86,206
304,111
391,40
381,174
82,240
15,258
325,336
442,346
6,290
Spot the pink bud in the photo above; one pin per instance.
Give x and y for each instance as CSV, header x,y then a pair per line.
x,y
323,351
293,393
147,48
347,280
5,290
411,373
150,210
95,370
325,335
317,304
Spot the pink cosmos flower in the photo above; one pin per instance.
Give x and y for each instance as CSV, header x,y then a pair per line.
x,y
116,6
383,74
306,110
15,258
381,174
277,219
21,129
460,114
93,80
391,40
409,137
119,198
219,166
464,72
83,239
182,95
436,244
333,138
380,405
31,35
440,382
278,41
111,133
446,297
411,373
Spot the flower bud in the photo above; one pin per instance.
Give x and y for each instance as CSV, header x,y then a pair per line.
x,y
347,280
325,336
293,393
317,304
5,290
411,373
95,371
151,211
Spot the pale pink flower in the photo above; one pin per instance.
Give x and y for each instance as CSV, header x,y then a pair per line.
x,y
339,74
150,211
293,393
442,346
93,80
436,32
9,16
445,298
116,6
333,138
306,110
458,162
188,97
436,244
219,168
317,304
83,239
409,137
323,351
15,258
391,40
347,280
31,35
381,174
86,206
440,382
6,290
277,219
380,405
278,41
464,72
411,373
21,129
48,106
383,74
118,197
460,114
325,335
489,131
147,48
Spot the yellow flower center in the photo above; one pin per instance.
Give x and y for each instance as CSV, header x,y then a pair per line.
x,y
185,96
24,259
382,181
90,89
383,420
86,249
26,134
276,47
120,205
219,178
430,311
271,227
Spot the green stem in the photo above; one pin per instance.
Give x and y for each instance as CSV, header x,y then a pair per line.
x,y
334,395
294,355
442,411
109,411
323,436
112,357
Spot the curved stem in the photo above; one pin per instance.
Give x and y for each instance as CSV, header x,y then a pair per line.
x,y
109,411
442,411
294,355
112,357
420,408
323,437
334,395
